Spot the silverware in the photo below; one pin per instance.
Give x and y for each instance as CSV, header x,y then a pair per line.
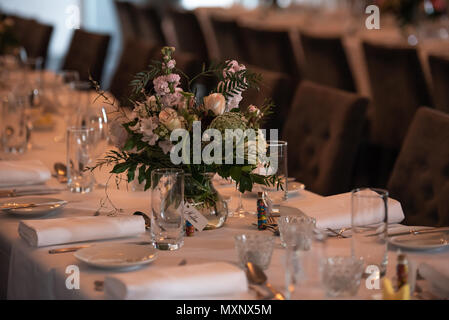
x,y
412,231
339,234
15,205
9,193
61,172
256,276
73,249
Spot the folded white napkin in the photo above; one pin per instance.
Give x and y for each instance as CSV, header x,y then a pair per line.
x,y
437,273
22,172
39,233
186,282
335,211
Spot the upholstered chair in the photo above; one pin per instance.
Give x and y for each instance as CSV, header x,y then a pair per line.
x,y
439,68
420,179
323,130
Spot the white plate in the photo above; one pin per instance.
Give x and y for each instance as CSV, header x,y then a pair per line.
x,y
423,241
117,255
34,211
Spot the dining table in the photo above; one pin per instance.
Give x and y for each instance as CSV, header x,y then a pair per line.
x,y
28,272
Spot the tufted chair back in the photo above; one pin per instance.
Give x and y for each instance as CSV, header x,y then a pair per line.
x,y
323,130
326,62
36,42
136,56
128,23
270,49
189,35
420,179
398,88
276,86
228,39
439,67
87,53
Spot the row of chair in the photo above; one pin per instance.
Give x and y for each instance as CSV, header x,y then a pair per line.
x,y
326,125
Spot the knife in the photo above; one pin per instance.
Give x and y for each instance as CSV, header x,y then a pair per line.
x,y
8,193
14,205
412,231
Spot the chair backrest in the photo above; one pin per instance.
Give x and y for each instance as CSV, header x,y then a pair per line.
x,y
439,68
398,89
276,86
228,38
136,56
128,23
269,49
152,22
37,42
87,53
22,28
326,62
188,32
323,130
420,179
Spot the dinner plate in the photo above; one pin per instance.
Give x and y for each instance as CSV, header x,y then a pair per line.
x,y
424,241
117,255
39,210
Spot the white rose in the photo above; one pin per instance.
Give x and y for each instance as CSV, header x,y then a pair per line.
x,y
169,118
215,102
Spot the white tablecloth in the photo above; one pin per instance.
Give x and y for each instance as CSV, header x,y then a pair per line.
x,y
32,273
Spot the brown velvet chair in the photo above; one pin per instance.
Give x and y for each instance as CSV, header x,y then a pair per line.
x,y
37,41
326,62
189,34
420,179
128,24
151,21
269,49
136,57
22,27
228,38
398,89
439,67
276,86
87,53
323,130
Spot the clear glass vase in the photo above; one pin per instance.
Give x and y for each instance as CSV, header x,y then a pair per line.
x,y
201,193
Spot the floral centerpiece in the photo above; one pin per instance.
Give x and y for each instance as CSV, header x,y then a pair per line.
x,y
170,127
408,12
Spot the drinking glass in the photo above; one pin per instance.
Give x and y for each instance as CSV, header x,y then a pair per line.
x,y
167,204
254,248
304,265
296,231
276,164
342,276
15,129
79,157
370,226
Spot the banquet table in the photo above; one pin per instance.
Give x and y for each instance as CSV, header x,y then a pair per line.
x,y
32,273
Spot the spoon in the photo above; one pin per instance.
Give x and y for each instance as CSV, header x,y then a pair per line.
x,y
61,172
145,217
256,276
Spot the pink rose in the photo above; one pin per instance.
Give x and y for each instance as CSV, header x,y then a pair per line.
x,y
215,102
169,118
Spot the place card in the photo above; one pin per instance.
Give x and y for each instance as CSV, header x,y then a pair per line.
x,y
192,215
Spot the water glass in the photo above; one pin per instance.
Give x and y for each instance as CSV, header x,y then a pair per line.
x,y
296,231
370,226
15,133
342,276
277,165
167,204
254,248
304,265
79,157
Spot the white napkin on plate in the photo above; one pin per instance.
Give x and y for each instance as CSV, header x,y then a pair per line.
x,y
180,282
437,273
22,172
46,232
335,211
